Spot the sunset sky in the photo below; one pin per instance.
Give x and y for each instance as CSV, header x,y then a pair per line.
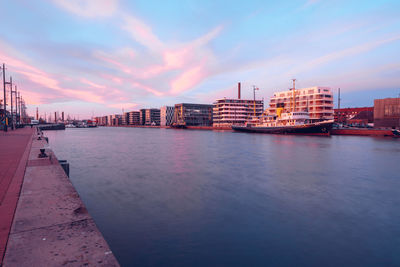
x,y
96,57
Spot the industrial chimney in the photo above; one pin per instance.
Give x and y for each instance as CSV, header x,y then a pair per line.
x,y
238,90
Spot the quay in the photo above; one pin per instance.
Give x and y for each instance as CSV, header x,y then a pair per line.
x,y
43,222
49,127
363,132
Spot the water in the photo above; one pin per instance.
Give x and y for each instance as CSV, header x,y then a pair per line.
x,y
164,197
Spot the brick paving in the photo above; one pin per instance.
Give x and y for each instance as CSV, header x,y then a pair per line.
x,y
14,151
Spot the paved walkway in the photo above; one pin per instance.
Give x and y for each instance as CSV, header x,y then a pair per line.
x,y
14,151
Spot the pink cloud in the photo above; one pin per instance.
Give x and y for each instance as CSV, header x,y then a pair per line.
x,y
92,84
141,32
84,95
187,80
148,89
89,8
45,80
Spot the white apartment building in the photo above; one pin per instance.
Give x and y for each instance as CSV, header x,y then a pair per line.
x,y
166,115
317,100
235,111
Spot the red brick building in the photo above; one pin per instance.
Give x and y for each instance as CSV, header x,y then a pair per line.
x,y
363,115
387,112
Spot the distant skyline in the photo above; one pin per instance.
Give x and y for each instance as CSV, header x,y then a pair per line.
x,y
97,57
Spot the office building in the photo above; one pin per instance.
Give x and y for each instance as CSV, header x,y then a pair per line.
x,y
186,114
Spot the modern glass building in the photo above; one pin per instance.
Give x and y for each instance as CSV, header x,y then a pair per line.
x,y
187,114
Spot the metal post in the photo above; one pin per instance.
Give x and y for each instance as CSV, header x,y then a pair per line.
x,y
17,100
11,96
339,119
5,98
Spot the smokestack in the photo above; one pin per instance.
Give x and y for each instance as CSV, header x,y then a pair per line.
x,y
37,113
62,116
55,117
238,90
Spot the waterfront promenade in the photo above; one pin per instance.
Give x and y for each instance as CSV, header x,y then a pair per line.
x,y
14,151
43,220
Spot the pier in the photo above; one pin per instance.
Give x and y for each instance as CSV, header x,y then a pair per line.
x,y
43,220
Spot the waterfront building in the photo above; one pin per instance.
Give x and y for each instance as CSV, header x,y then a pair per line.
x,y
104,120
186,114
149,116
362,116
387,112
125,118
142,116
114,120
227,112
133,118
317,100
166,115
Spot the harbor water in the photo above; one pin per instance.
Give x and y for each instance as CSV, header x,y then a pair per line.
x,y
165,197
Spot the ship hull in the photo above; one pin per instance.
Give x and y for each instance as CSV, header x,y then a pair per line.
x,y
307,129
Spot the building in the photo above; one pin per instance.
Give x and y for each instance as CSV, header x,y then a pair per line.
x,y
149,116
152,116
235,111
125,118
317,100
227,112
387,112
360,116
133,117
142,116
114,120
166,115
101,121
186,114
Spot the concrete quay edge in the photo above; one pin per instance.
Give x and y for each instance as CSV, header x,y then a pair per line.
x,y
51,225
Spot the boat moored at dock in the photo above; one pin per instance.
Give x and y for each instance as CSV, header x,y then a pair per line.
x,y
286,123
286,120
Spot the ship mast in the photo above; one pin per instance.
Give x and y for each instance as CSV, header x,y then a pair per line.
x,y
294,94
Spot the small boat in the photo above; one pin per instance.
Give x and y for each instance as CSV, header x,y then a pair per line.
x,y
178,125
286,123
70,126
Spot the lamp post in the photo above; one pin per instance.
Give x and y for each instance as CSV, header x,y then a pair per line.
x,y
4,99
6,125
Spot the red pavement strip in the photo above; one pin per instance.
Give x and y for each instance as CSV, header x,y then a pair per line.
x,y
14,152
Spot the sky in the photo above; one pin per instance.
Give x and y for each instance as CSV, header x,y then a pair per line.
x,y
99,57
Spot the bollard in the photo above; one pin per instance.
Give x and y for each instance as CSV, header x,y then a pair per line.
x,y
42,153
